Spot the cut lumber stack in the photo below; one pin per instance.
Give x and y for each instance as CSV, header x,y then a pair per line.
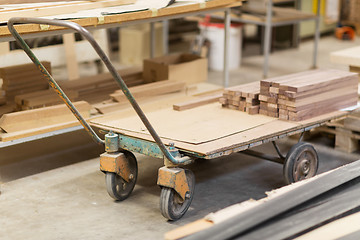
x,y
2,98
95,88
244,97
304,95
22,79
42,98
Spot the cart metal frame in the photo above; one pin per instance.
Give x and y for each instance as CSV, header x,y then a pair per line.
x,y
119,164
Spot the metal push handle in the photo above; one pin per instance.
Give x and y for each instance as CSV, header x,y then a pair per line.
x,y
86,34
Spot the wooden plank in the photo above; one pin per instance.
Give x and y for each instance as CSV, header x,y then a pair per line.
x,y
23,69
150,89
253,110
351,98
71,58
325,96
188,229
51,98
321,109
59,8
249,220
338,229
329,78
344,142
126,17
196,102
37,118
5,137
317,90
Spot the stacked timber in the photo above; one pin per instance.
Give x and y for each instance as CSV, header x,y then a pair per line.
x,y
42,98
244,97
22,79
304,95
2,98
94,88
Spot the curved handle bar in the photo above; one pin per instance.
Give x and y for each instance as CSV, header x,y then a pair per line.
x,y
86,34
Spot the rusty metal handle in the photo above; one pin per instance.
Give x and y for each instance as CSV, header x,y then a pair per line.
x,y
86,34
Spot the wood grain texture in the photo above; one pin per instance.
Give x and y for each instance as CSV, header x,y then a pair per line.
x,y
150,89
126,17
38,118
59,8
196,102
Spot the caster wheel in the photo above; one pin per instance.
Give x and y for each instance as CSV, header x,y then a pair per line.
x,y
172,206
301,162
116,186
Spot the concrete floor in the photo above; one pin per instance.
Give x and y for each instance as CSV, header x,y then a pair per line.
x,y
53,189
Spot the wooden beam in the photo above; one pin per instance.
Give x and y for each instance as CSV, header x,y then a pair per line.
x,y
37,118
150,89
196,102
71,58
58,8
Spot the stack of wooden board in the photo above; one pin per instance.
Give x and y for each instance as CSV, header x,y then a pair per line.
x,y
304,95
37,121
94,88
42,98
2,98
244,97
22,79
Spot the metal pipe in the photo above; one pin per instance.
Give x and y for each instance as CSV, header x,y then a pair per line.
x,y
267,40
317,34
165,36
86,34
226,47
152,40
263,156
278,150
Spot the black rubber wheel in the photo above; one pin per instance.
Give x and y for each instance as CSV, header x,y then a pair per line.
x,y
301,162
172,206
116,186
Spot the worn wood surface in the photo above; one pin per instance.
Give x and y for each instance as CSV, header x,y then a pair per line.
x,y
196,102
284,215
58,8
126,17
21,79
244,128
150,89
307,94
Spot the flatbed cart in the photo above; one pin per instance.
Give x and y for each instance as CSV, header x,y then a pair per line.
x,y
205,132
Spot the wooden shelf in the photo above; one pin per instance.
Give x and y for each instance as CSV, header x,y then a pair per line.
x,y
177,11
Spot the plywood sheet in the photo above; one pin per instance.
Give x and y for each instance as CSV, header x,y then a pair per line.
x,y
229,144
195,126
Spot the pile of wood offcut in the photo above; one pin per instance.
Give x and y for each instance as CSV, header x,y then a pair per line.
x,y
304,95
244,97
23,79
